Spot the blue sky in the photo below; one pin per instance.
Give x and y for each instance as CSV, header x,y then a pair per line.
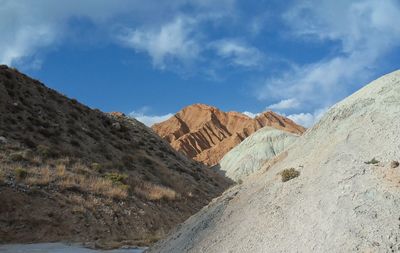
x,y
151,58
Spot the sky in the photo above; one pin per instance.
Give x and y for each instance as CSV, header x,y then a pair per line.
x,y
149,59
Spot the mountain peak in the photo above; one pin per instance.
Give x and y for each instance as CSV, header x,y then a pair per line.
x,y
205,133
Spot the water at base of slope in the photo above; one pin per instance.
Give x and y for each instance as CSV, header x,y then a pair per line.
x,y
60,248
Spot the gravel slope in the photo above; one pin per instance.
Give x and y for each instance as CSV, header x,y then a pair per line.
x,y
337,204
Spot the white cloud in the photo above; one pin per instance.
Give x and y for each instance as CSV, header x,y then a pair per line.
x,y
365,31
174,40
29,28
150,120
307,119
250,114
238,52
303,119
290,103
26,26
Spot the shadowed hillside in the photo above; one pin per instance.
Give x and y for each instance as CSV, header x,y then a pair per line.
x,y
68,172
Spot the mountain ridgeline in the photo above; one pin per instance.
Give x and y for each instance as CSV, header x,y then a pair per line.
x,y
206,133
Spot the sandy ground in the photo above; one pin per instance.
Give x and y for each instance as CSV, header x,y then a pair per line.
x,y
338,203
58,248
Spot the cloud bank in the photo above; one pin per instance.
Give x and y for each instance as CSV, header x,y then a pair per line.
x,y
365,32
211,37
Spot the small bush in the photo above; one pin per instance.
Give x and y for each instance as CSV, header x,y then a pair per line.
x,y
394,164
29,142
75,143
20,173
128,160
46,152
17,157
116,178
288,174
96,166
373,161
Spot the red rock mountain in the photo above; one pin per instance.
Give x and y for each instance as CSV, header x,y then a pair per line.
x,y
206,133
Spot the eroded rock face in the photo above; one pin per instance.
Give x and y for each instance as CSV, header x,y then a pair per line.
x,y
254,151
206,133
337,202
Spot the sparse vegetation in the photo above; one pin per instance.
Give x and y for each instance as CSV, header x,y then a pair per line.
x,y
372,161
288,174
66,180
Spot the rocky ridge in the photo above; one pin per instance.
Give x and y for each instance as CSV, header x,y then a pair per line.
x,y
206,133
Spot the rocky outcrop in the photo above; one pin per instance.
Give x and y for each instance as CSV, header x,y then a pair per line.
x,y
339,194
254,151
206,134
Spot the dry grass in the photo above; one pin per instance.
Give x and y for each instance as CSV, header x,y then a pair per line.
x,y
94,185
40,176
151,238
71,179
82,204
155,192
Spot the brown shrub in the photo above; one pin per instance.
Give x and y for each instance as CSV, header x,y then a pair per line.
x,y
288,174
20,173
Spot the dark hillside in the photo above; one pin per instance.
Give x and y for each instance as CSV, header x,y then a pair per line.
x,y
68,172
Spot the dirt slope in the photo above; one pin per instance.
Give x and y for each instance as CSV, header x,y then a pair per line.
x,y
343,200
206,134
68,172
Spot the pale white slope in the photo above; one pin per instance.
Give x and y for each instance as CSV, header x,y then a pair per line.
x,y
254,151
337,204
